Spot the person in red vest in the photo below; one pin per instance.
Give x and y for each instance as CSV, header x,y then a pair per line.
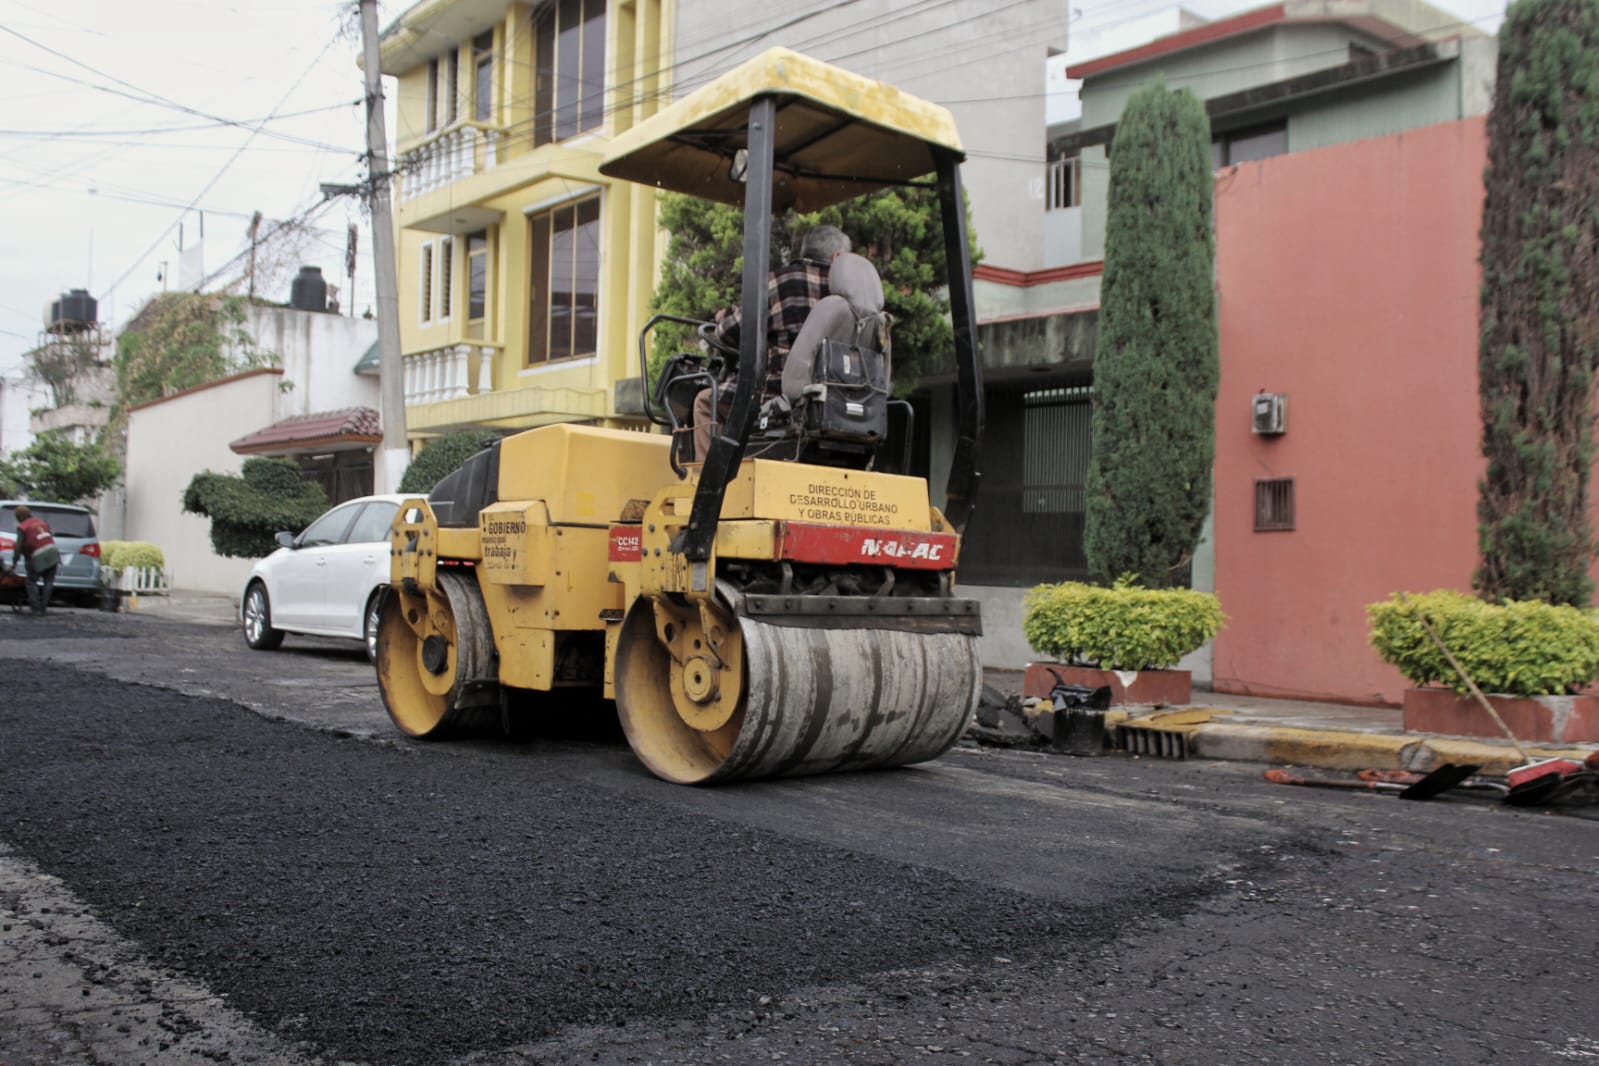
x,y
37,545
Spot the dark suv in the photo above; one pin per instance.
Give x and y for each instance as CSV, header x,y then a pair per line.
x,y
78,578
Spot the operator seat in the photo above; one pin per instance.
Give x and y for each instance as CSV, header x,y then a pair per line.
x,y
836,379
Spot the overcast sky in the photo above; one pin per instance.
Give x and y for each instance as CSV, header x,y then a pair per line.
x,y
122,121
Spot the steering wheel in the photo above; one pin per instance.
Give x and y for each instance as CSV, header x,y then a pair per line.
x,y
707,332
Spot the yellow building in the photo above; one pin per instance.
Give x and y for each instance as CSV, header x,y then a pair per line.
x,y
524,276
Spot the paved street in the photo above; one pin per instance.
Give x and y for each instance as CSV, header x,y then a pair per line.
x,y
214,855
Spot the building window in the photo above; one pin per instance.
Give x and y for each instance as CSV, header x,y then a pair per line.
x,y
425,283
483,76
569,92
1055,435
452,85
477,274
446,275
1064,190
565,273
1274,504
1245,146
433,95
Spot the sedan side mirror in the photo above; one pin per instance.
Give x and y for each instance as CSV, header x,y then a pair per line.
x,y
285,540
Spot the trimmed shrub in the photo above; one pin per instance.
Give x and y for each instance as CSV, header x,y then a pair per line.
x,y
440,458
1517,648
248,509
1123,627
118,555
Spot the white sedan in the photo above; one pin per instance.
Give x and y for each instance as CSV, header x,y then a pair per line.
x,y
327,582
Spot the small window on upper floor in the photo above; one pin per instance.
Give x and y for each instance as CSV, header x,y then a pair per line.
x,y
1065,183
1247,145
433,95
483,76
425,284
446,276
477,274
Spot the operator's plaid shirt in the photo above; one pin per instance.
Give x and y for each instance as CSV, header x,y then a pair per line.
x,y
793,291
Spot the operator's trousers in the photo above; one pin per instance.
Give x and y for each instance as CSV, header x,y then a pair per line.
x,y
40,586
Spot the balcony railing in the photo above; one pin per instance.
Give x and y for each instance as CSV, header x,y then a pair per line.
x,y
449,155
448,373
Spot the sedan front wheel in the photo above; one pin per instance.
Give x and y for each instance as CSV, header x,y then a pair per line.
x,y
258,631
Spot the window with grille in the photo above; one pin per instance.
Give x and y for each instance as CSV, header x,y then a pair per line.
x,y
1055,436
1274,504
569,69
565,272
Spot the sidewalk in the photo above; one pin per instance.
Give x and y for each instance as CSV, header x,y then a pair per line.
x,y
1304,733
1332,736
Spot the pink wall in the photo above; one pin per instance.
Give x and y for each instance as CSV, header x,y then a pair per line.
x,y
1347,279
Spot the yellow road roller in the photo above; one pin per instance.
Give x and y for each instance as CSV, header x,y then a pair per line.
x,y
784,604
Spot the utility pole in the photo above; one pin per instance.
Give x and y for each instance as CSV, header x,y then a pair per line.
x,y
395,455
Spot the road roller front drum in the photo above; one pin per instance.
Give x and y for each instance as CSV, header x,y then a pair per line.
x,y
435,659
809,700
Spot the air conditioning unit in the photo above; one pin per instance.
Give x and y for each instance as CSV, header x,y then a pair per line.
x,y
1270,415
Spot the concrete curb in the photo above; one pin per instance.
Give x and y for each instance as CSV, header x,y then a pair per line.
x,y
1333,749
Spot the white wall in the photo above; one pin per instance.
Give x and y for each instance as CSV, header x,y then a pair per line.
x,y
170,441
20,392
317,353
983,61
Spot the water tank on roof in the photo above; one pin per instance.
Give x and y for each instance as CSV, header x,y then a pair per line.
x,y
309,291
75,312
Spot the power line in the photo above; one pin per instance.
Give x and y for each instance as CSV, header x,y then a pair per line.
x,y
217,124
144,96
218,176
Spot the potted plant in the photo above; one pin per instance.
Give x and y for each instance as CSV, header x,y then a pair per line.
x,y
1126,637
117,558
1531,659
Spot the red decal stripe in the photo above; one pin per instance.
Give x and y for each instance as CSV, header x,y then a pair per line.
x,y
805,542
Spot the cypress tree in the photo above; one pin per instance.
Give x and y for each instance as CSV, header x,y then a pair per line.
x,y
1540,305
1156,365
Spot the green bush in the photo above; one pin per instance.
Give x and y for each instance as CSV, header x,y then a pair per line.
x,y
440,458
1518,648
248,509
118,555
1123,627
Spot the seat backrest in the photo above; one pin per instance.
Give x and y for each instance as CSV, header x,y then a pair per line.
x,y
852,314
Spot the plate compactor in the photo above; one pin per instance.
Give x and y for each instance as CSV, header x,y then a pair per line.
x,y
785,603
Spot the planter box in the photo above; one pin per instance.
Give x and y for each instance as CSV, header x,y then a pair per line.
x,y
1550,719
1140,687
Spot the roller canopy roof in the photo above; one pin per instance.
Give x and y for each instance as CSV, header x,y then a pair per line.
x,y
839,135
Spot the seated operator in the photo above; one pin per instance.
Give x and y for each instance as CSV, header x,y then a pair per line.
x,y
852,313
792,290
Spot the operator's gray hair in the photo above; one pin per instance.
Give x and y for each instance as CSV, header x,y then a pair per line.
x,y
822,243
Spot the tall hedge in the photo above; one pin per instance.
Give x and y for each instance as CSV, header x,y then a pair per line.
x,y
248,509
1156,366
1540,306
